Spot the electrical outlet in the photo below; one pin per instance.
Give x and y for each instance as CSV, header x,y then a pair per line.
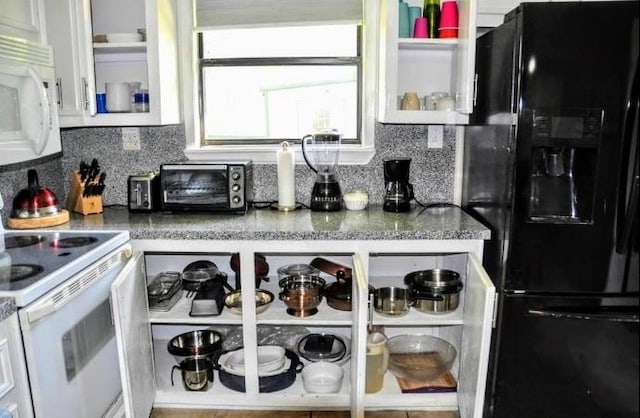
x,y
435,134
131,139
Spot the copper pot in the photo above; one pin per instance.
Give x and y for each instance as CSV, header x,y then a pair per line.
x,y
34,201
302,294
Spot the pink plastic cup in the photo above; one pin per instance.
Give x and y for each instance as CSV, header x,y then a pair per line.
x,y
420,28
449,14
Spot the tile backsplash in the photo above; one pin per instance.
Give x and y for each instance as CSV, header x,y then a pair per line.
x,y
432,169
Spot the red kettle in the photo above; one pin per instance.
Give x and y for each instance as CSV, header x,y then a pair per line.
x,y
34,201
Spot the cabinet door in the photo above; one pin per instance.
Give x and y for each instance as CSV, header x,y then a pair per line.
x,y
466,56
21,18
476,339
133,336
72,77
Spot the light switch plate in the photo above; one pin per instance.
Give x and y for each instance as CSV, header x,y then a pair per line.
x,y
131,139
435,134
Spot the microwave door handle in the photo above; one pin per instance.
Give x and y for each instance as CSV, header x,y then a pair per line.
x,y
45,116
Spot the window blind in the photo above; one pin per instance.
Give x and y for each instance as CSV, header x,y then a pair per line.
x,y
218,14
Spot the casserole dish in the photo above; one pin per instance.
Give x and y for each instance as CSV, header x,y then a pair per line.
x,y
266,384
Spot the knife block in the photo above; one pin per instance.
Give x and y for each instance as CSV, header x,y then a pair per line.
x,y
76,202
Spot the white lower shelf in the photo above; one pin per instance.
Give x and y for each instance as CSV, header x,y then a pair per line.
x,y
221,397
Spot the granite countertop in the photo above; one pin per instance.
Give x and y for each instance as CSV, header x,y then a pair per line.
x,y
7,307
441,223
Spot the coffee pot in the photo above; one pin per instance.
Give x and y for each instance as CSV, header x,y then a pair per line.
x,y
398,190
325,147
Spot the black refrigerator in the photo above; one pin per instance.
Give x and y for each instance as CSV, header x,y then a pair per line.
x,y
551,167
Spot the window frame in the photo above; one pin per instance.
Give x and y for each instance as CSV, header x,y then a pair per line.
x,y
350,153
276,61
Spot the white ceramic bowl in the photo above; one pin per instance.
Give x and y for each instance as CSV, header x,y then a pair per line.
x,y
124,37
356,200
322,377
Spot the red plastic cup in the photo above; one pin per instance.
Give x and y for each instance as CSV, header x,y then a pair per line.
x,y
420,28
448,32
449,15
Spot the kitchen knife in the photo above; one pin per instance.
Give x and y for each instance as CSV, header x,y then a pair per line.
x,y
84,168
100,187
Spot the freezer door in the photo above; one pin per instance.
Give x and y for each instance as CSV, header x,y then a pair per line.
x,y
565,357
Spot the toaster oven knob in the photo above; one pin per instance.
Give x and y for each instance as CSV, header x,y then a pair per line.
x,y
235,175
235,187
236,199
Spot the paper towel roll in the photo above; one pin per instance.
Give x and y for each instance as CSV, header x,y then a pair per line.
x,y
286,177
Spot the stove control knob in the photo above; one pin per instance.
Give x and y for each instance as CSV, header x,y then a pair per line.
x,y
127,253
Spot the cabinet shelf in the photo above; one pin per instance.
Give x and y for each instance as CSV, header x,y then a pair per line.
x,y
428,44
119,48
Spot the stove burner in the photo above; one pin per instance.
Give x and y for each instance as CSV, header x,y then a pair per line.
x,y
73,242
20,272
23,241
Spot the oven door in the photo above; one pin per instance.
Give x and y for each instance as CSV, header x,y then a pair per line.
x,y
70,345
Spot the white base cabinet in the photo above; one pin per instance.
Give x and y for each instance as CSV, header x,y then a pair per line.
x,y
143,335
14,385
84,62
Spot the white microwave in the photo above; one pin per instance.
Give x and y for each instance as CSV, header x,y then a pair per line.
x,y
28,111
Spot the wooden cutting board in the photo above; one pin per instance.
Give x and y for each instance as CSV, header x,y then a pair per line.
x,y
42,222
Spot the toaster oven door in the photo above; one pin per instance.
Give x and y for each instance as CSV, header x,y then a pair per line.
x,y
194,188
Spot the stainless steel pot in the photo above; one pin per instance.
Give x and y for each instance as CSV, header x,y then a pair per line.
x,y
392,301
434,291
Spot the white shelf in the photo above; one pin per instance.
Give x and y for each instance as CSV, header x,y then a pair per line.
x,y
119,47
428,44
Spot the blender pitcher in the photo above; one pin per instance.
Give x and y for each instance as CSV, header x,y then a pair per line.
x,y
325,147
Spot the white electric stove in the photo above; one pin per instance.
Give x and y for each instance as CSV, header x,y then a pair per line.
x,y
34,262
61,282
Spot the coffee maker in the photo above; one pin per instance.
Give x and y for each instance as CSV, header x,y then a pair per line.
x,y
398,190
326,195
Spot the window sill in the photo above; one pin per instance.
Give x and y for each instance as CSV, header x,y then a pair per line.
x,y
349,154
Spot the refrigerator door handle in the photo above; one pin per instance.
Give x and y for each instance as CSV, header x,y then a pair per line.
x,y
615,314
630,207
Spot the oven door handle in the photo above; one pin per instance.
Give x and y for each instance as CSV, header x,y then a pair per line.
x,y
36,313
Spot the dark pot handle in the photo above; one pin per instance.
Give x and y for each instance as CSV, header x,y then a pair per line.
x,y
172,370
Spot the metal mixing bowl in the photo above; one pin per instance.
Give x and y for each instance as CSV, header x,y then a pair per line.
x,y
198,343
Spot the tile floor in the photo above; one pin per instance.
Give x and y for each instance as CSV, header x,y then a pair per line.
x,y
198,413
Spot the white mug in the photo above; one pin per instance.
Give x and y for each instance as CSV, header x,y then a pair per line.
x,y
118,97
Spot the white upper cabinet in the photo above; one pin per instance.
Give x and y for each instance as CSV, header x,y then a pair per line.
x,y
21,18
424,67
85,62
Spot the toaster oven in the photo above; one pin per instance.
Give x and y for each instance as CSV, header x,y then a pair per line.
x,y
207,186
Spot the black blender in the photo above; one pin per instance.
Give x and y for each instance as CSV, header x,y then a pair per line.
x,y
398,190
326,195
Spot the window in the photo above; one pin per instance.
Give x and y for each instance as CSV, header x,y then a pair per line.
x,y
284,70
294,81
